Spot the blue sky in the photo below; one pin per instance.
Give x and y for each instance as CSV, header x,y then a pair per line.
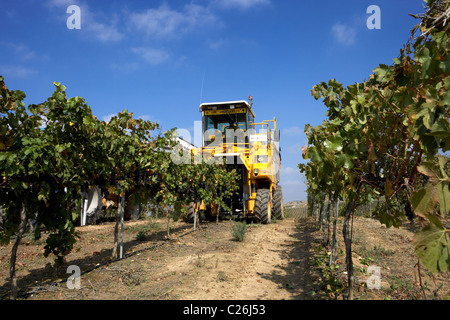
x,y
161,59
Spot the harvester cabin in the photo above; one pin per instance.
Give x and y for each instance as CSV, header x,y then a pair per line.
x,y
223,116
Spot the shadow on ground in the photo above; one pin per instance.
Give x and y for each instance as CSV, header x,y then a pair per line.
x,y
297,276
48,276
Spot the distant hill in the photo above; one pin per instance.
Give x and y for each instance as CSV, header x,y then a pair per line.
x,y
298,203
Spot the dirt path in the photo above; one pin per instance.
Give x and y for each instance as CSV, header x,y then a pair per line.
x,y
270,264
280,261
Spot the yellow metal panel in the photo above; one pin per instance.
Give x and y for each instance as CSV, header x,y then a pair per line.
x,y
251,206
226,111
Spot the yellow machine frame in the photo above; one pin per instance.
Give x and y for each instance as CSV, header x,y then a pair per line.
x,y
259,154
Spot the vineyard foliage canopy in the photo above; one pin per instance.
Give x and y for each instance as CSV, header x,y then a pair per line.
x,y
388,138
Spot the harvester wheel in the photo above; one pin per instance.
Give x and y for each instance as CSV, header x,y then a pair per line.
x,y
132,211
278,204
190,213
262,206
95,204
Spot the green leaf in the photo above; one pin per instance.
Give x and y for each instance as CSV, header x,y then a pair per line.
x,y
431,244
381,72
59,148
394,219
27,141
42,197
443,191
423,56
440,127
442,160
343,160
334,143
423,200
60,97
313,154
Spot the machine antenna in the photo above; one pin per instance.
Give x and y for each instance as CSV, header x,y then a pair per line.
x,y
201,89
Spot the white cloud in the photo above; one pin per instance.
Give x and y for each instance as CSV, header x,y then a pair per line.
x,y
152,56
343,34
294,149
164,21
293,190
293,131
289,171
108,117
292,183
103,32
14,71
180,61
22,51
126,67
90,22
60,3
44,122
216,44
241,4
145,117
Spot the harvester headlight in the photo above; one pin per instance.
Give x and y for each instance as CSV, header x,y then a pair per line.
x,y
256,172
261,159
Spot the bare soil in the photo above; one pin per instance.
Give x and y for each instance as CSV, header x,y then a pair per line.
x,y
279,261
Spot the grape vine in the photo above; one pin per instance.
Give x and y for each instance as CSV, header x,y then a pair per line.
x,y
52,152
387,138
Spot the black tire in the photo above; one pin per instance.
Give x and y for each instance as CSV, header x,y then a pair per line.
x,y
278,207
189,218
94,206
132,210
262,206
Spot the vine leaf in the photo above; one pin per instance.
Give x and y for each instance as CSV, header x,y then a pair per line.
x,y
436,191
432,245
389,219
333,144
313,154
424,200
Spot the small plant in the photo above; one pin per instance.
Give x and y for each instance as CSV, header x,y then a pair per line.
x,y
238,231
402,287
374,255
329,283
200,261
141,236
221,276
